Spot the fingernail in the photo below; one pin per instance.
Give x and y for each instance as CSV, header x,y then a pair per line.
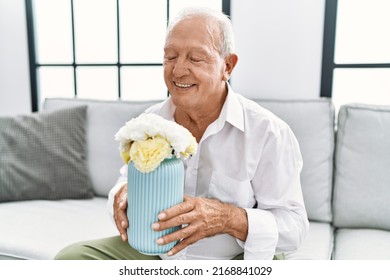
x,y
155,226
123,224
161,216
160,241
170,253
123,237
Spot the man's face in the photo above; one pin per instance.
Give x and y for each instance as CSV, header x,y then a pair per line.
x,y
194,71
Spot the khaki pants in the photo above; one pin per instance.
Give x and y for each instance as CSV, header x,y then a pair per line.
x,y
111,248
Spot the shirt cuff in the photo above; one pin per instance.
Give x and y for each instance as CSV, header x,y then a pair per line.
x,y
262,236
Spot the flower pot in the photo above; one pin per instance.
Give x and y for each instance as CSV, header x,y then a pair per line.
x,y
148,195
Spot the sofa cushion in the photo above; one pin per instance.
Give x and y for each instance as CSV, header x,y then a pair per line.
x,y
362,164
362,244
43,156
39,229
312,122
104,118
317,245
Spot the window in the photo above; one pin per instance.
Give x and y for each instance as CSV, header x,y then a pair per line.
x,y
356,62
101,49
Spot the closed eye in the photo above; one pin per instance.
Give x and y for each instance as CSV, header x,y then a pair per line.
x,y
170,58
195,59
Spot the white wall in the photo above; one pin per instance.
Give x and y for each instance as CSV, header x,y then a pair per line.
x,y
14,65
279,44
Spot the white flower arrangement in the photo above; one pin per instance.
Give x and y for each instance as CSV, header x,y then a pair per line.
x,y
149,139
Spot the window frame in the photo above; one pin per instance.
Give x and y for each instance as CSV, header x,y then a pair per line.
x,y
329,45
34,65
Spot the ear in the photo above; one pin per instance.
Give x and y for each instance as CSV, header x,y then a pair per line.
x,y
230,63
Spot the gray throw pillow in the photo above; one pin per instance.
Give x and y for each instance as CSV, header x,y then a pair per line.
x,y
43,156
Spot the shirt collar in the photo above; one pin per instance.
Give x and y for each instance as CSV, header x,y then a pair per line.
x,y
167,110
231,110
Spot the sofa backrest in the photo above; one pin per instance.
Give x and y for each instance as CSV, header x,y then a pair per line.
x,y
312,122
104,118
362,167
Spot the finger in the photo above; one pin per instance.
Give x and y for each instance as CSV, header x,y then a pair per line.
x,y
177,235
182,245
186,206
180,220
120,200
120,215
121,223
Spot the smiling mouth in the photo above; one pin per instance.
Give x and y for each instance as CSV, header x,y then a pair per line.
x,y
183,85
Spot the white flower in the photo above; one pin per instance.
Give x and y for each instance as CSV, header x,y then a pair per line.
x,y
143,139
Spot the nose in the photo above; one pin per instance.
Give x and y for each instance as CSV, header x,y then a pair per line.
x,y
180,68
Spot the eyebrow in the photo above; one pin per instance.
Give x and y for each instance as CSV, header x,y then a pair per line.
x,y
196,49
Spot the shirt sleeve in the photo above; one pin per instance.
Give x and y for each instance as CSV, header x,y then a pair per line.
x,y
119,183
279,223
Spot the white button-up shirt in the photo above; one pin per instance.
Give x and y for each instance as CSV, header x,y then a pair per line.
x,y
250,158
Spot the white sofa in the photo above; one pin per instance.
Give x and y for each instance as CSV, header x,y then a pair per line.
x,y
345,181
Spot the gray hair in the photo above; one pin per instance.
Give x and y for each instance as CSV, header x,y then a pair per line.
x,y
222,21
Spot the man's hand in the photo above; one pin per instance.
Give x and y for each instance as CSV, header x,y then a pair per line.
x,y
204,217
120,208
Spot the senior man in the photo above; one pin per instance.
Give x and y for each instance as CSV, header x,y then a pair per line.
x,y
243,196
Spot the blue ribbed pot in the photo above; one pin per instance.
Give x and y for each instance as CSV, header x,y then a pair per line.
x,y
148,195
